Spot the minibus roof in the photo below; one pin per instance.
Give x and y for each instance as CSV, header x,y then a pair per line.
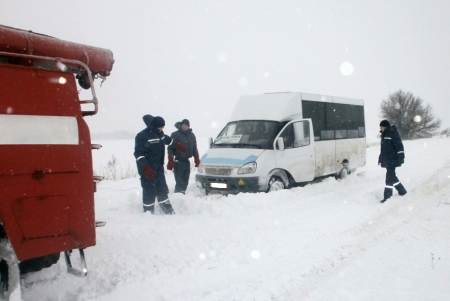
x,y
280,106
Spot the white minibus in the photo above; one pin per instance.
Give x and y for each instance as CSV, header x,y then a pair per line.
x,y
280,140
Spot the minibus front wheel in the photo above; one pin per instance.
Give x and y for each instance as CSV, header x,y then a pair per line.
x,y
275,183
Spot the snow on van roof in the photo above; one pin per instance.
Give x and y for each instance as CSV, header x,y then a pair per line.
x,y
279,106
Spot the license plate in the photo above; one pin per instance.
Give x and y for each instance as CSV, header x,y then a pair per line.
x,y
218,185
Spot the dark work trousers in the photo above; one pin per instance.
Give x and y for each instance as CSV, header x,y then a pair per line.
x,y
181,170
392,182
152,189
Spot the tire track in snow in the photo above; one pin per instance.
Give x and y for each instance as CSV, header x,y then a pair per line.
x,y
366,234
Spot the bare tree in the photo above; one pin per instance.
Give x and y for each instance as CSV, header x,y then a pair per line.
x,y
408,113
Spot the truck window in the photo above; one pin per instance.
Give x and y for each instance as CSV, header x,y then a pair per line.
x,y
16,130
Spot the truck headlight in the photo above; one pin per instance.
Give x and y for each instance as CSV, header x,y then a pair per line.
x,y
247,168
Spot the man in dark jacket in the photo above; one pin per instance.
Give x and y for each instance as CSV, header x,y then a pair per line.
x,y
185,147
149,152
392,155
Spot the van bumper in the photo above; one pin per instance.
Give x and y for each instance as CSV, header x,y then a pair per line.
x,y
228,184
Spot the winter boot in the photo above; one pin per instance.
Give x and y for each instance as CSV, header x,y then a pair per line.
x,y
149,208
387,193
166,206
401,190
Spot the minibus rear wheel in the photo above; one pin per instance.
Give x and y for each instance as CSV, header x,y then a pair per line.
x,y
344,172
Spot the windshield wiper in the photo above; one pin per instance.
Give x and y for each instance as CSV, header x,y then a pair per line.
x,y
235,145
248,144
223,144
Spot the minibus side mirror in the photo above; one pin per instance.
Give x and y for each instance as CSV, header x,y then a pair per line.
x,y
280,143
210,141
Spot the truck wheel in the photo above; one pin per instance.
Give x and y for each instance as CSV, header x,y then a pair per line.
x,y
39,263
9,272
3,277
275,184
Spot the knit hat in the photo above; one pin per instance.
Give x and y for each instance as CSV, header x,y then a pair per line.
x,y
185,121
158,122
385,123
148,119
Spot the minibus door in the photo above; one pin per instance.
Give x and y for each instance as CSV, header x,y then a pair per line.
x,y
296,152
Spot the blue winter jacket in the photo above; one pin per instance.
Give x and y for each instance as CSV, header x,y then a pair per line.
x,y
392,153
150,146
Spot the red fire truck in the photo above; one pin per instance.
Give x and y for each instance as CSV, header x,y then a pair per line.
x,y
47,183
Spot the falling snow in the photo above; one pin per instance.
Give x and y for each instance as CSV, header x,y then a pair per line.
x,y
331,240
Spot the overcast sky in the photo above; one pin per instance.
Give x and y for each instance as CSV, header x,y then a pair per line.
x,y
193,59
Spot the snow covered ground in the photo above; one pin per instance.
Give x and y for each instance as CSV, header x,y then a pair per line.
x,y
331,240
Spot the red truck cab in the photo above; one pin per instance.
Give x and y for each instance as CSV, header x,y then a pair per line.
x,y
46,175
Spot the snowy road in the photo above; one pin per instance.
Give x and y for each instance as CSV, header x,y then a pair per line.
x,y
327,241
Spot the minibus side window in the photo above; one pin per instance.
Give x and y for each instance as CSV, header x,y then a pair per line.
x,y
288,136
301,133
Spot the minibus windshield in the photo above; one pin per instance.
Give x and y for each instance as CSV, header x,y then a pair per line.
x,y
248,134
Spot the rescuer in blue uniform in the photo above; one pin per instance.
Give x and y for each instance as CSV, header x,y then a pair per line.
x,y
392,155
149,152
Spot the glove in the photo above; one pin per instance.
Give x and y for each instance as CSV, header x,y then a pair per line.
x,y
170,164
148,172
196,160
180,147
401,161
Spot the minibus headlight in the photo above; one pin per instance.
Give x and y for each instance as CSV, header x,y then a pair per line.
x,y
247,168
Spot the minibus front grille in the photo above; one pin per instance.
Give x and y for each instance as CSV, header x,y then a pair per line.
x,y
218,171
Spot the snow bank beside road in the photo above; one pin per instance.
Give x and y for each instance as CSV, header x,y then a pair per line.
x,y
327,241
